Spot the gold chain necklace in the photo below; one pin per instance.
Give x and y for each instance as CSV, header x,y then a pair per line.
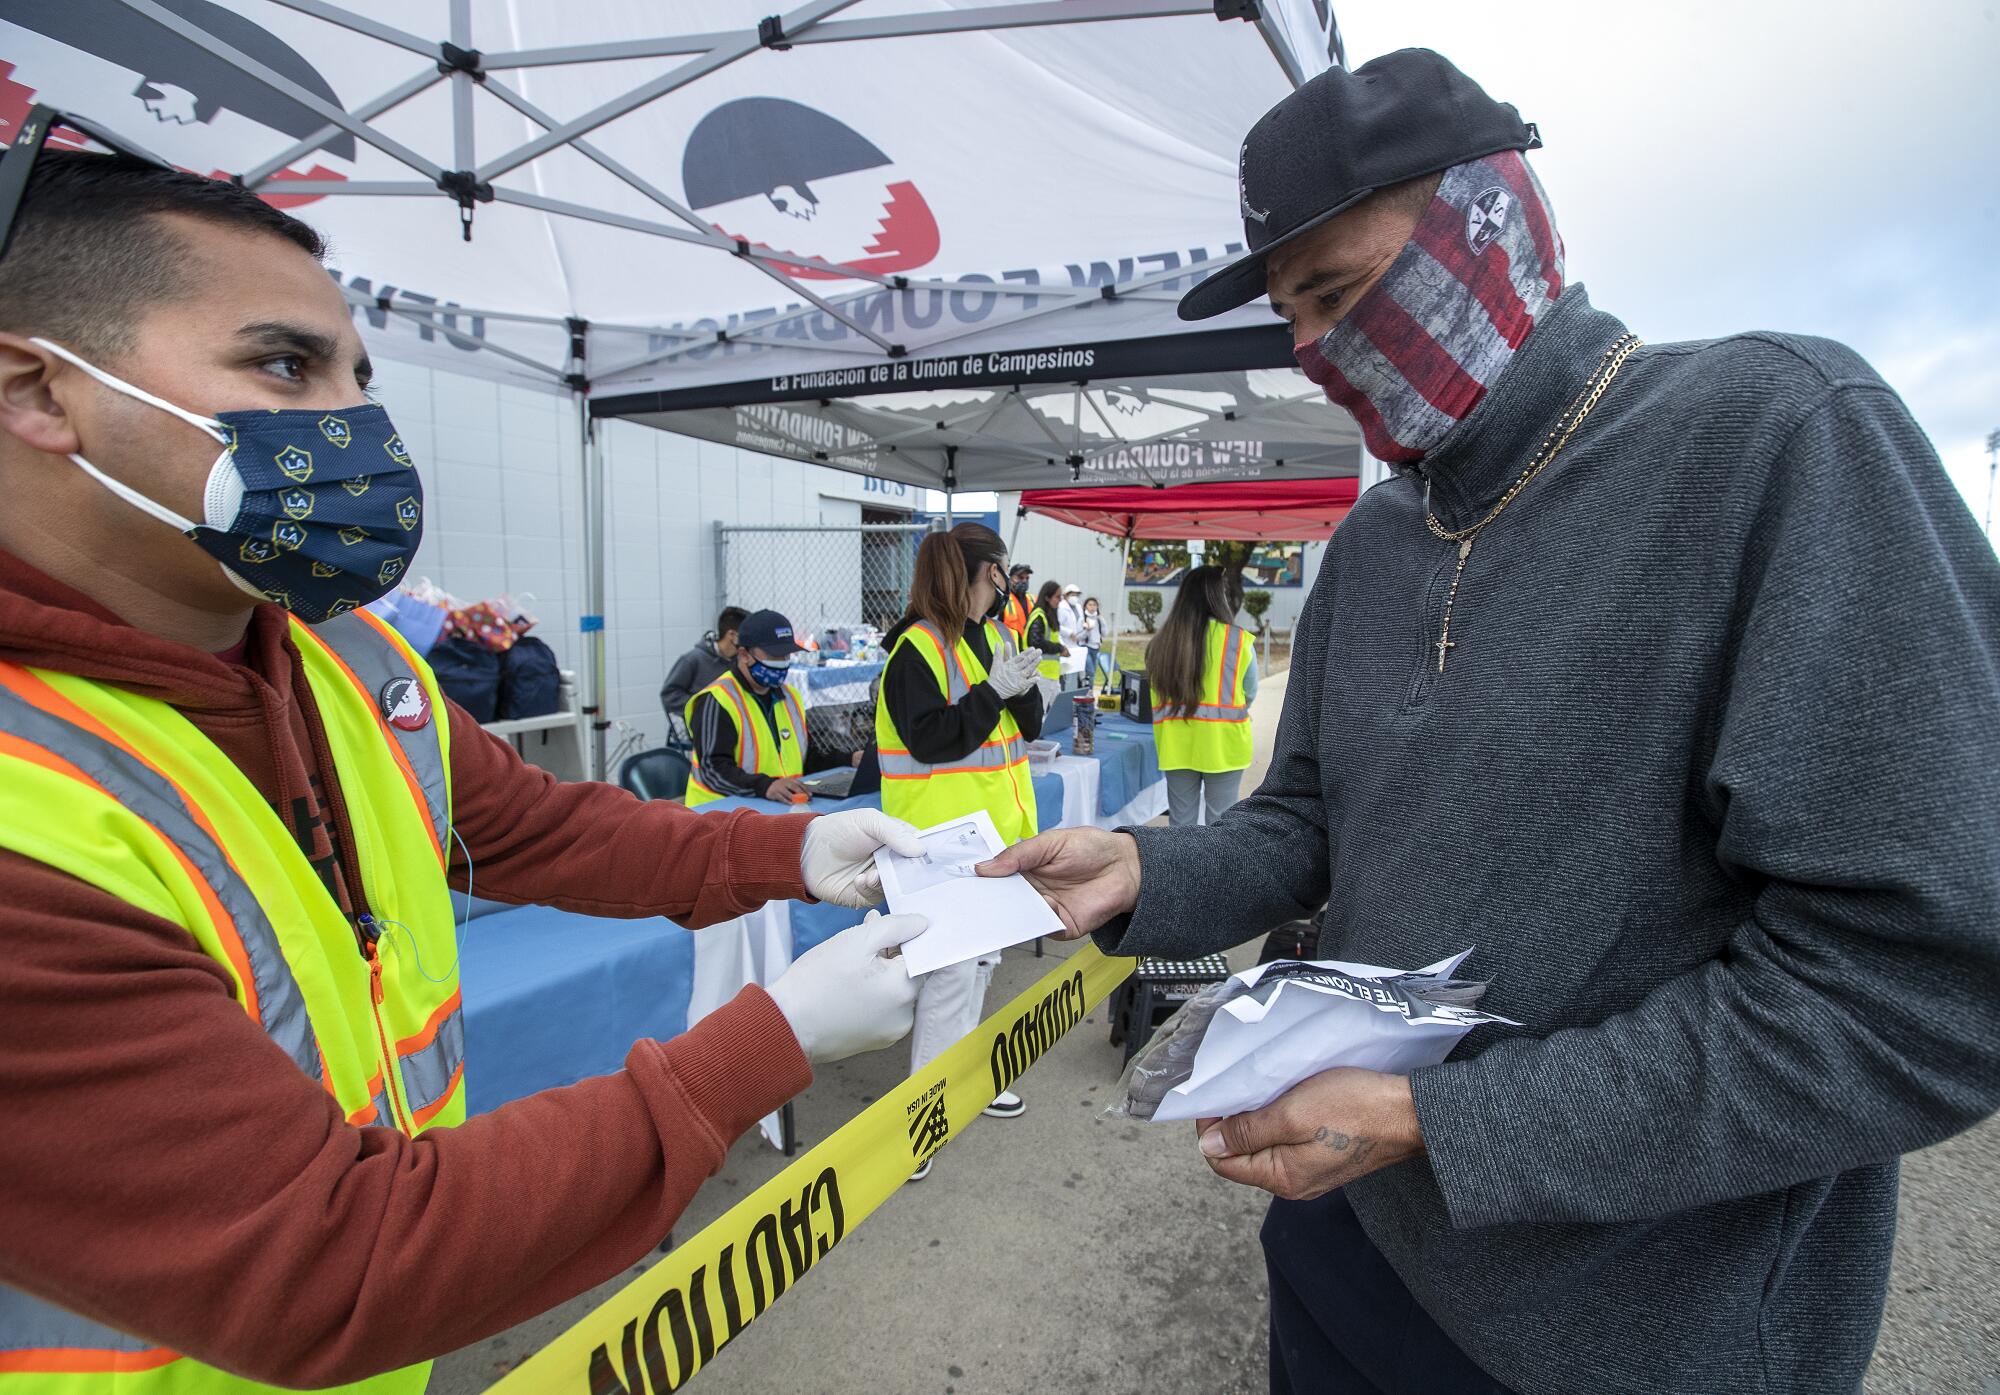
x,y
1551,447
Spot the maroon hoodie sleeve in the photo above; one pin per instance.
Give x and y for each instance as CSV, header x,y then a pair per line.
x,y
595,848
257,1230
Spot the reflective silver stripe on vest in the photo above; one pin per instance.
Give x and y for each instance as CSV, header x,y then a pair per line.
x,y
957,685
1211,712
956,680
985,758
749,755
1232,648
152,798
385,1116
376,662
427,1072
29,1324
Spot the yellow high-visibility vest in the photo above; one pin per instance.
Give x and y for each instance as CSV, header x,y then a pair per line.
x,y
759,749
1051,664
123,792
1215,737
994,777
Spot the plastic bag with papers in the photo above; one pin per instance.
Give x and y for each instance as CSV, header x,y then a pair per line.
x,y
1239,1044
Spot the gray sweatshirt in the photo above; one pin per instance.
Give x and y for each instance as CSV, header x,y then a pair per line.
x,y
1712,780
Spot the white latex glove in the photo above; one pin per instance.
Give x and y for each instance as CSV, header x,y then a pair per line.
x,y
1048,688
850,994
1015,674
838,859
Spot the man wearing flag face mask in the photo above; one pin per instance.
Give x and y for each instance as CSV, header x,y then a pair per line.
x,y
231,807
749,729
1664,675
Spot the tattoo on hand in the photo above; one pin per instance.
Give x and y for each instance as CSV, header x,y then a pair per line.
x,y
1335,1141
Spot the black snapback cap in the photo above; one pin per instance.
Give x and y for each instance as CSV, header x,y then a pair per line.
x,y
1340,138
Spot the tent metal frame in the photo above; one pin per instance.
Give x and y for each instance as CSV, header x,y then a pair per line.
x,y
468,180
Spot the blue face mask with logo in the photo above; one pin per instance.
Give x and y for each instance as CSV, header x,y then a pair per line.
x,y
768,675
318,511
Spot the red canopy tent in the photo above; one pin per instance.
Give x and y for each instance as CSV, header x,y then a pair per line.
x,y
1243,510
1253,510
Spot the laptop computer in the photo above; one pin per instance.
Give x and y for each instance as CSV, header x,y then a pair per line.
x,y
1060,715
830,784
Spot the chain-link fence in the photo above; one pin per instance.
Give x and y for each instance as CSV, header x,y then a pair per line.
x,y
825,579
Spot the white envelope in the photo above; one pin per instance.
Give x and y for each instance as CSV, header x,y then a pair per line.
x,y
1254,1051
970,915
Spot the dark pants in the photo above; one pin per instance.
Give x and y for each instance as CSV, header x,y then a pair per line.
x,y
1341,1321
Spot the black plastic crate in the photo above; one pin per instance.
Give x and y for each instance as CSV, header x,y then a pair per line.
x,y
1157,987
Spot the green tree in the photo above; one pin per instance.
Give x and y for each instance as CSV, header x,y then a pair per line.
x,y
1257,602
1145,607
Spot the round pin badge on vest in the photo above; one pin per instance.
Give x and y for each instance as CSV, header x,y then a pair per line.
x,y
405,705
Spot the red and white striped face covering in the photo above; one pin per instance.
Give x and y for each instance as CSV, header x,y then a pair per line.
x,y
1419,351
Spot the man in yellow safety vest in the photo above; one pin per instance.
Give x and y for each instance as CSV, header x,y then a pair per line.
x,y
233,805
749,727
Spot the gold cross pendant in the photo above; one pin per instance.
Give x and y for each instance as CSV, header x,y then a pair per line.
x,y
1445,642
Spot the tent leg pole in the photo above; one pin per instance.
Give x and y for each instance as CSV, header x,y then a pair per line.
x,y
947,511
593,620
1118,616
1015,536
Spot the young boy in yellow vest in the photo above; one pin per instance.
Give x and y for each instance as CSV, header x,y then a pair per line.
x,y
231,804
749,727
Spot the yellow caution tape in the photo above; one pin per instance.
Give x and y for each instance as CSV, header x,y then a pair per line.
x,y
657,1331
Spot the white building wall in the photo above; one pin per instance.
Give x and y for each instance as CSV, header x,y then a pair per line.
x,y
503,486
1062,553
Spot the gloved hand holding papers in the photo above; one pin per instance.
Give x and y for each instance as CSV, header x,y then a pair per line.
x,y
1239,1044
970,915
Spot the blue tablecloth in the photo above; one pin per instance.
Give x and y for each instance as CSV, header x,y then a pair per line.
x,y
552,998
833,676
1128,760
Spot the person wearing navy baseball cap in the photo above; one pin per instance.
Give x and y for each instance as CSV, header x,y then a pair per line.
x,y
1665,677
748,725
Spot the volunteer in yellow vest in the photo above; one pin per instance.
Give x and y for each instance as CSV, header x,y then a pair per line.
x,y
1203,670
1014,612
233,806
956,705
749,729
1043,635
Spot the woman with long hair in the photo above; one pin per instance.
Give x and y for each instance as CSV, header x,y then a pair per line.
x,y
1203,672
957,706
1043,629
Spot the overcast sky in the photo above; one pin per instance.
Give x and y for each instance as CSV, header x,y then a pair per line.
x,y
1830,168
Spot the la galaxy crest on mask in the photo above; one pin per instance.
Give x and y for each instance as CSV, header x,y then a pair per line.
x,y
1415,355
320,511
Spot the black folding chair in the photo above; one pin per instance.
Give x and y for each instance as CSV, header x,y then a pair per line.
x,y
661,773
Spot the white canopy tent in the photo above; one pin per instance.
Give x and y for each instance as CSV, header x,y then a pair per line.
x,y
937,241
